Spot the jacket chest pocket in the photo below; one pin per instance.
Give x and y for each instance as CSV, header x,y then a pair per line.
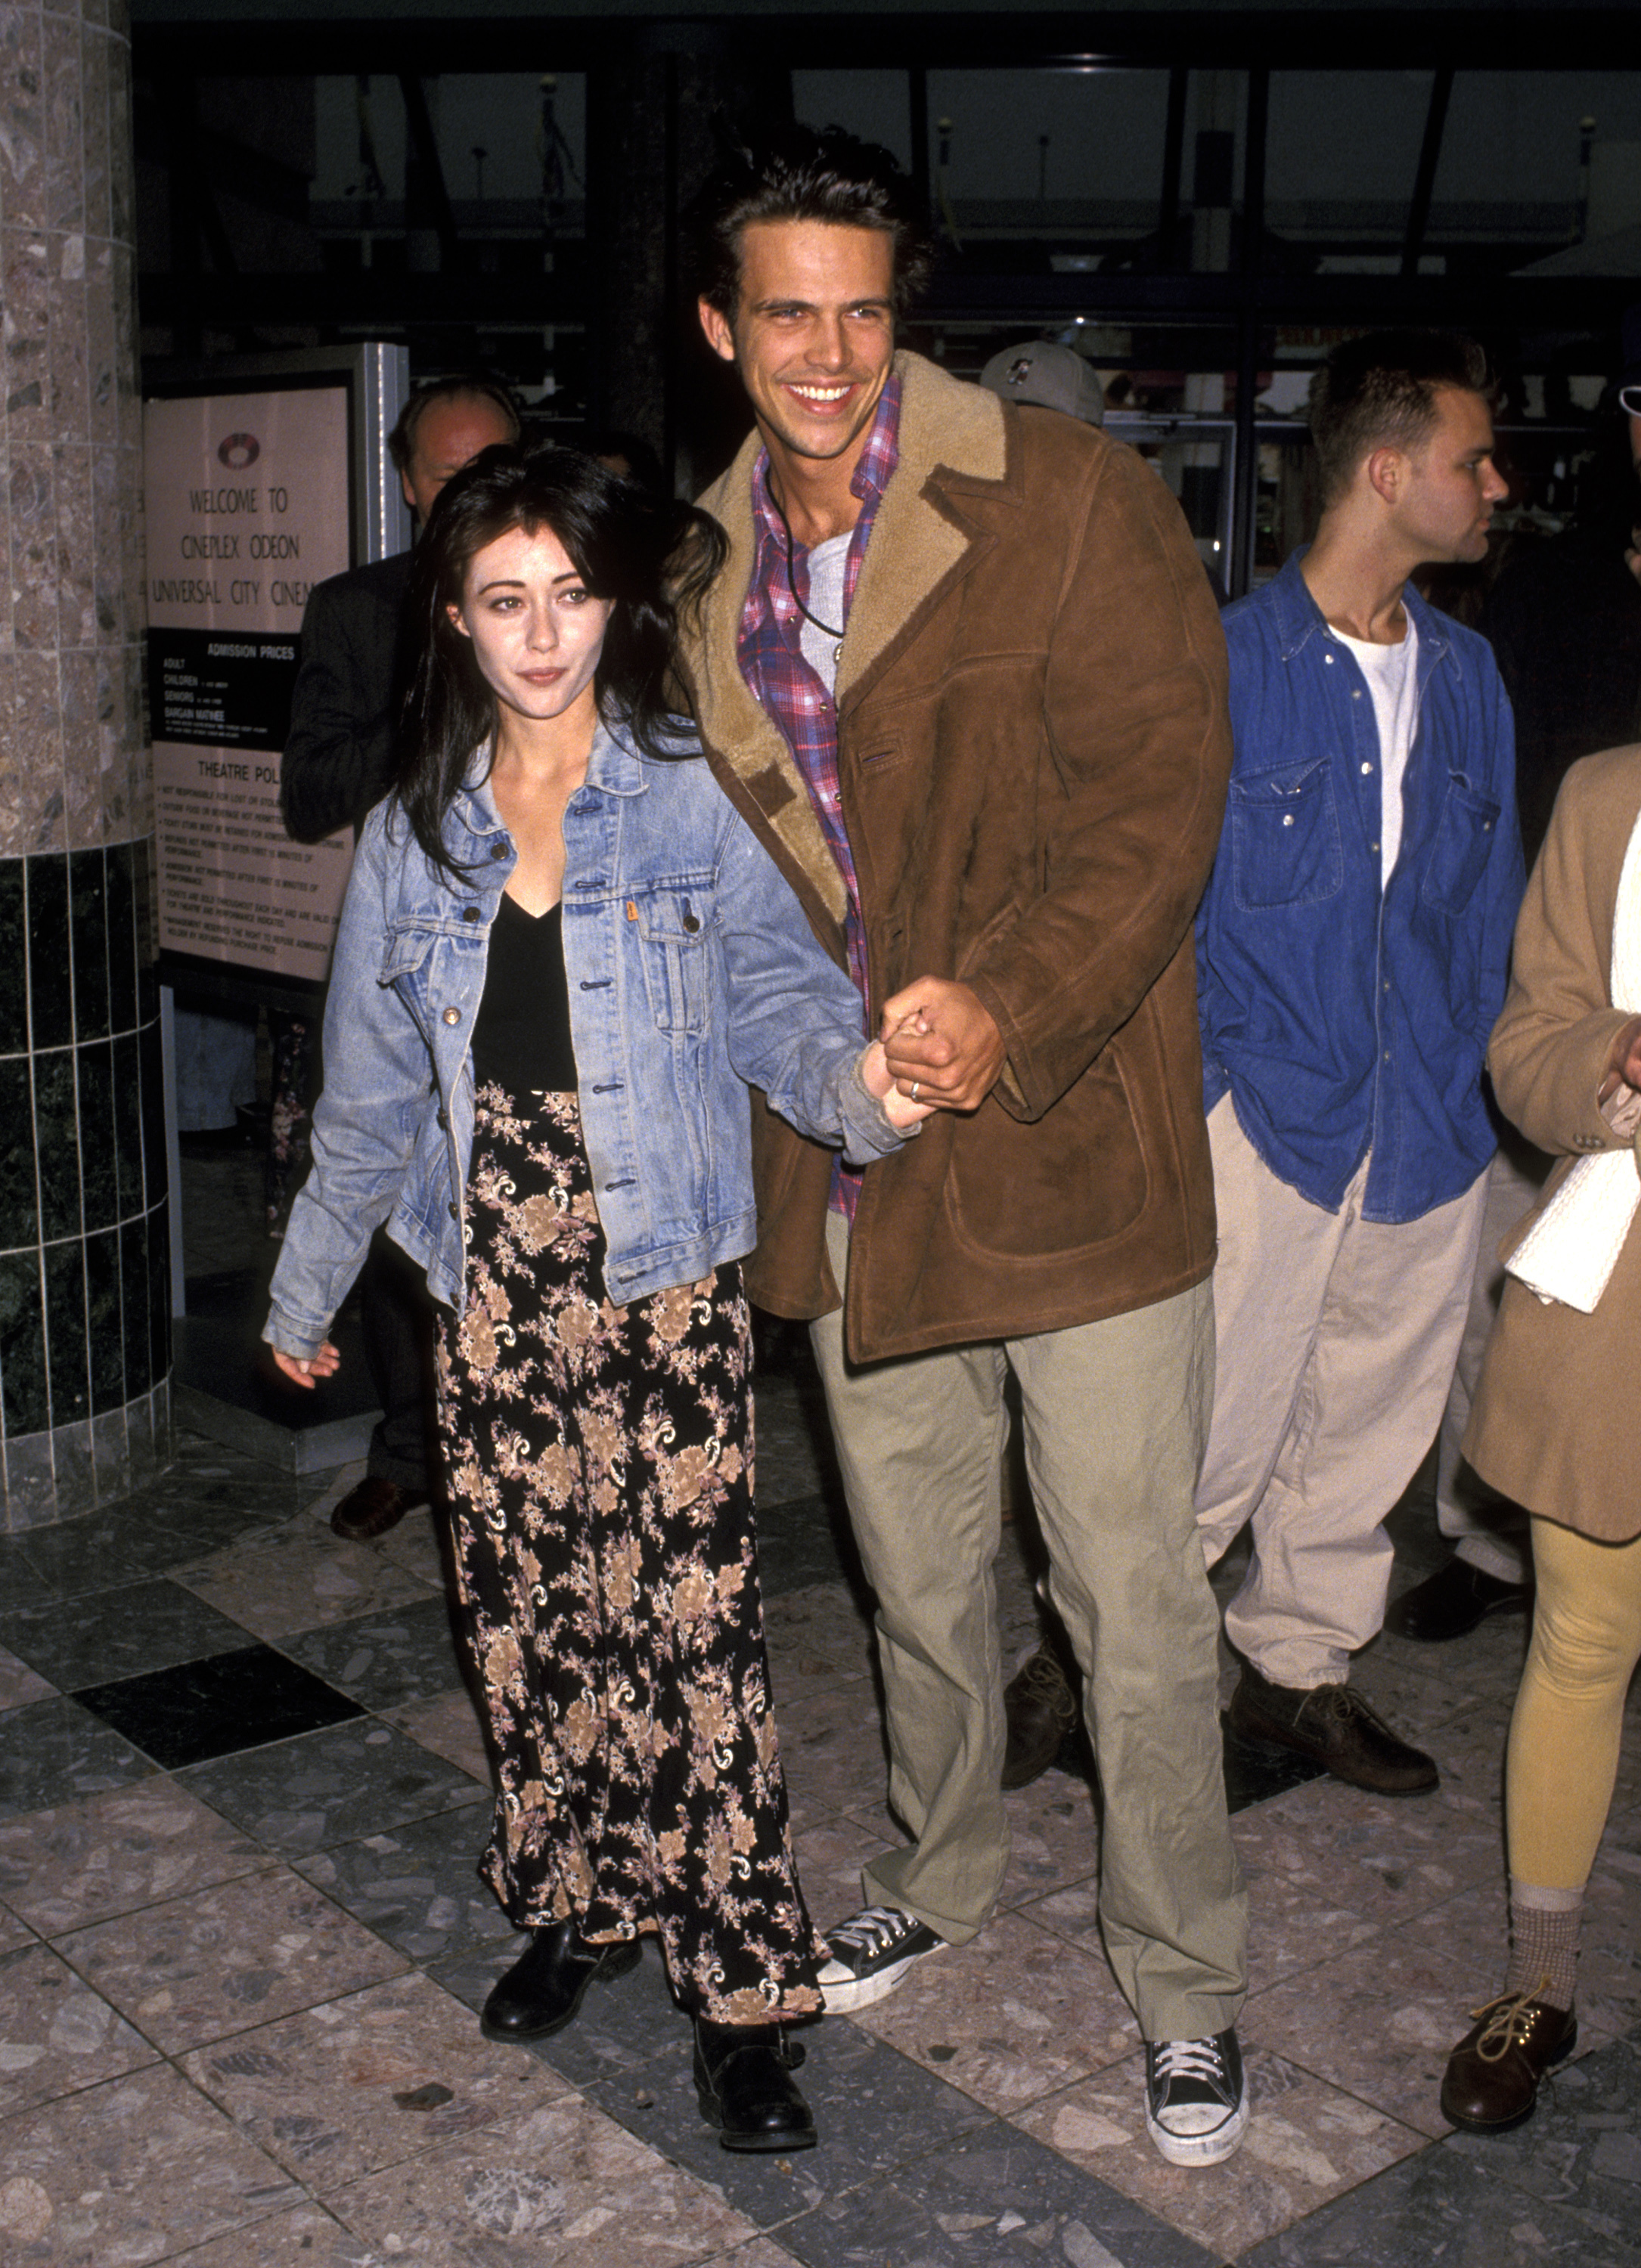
x,y
1463,844
1284,836
673,929
405,958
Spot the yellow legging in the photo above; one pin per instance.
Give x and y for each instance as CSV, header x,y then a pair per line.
x,y
1569,1716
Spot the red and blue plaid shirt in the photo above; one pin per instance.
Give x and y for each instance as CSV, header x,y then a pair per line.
x,y
773,664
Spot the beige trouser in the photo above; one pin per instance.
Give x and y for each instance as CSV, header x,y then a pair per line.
x,y
1115,1415
1483,1527
1336,1338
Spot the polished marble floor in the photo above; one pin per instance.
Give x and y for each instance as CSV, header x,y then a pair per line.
x,y
242,1792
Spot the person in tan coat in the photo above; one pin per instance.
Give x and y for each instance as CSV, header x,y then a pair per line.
x,y
1554,1420
963,676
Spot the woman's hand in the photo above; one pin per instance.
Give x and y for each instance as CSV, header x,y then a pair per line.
x,y
1623,1062
901,1112
303,1369
1626,1055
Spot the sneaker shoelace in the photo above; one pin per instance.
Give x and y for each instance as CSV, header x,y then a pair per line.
x,y
1510,2024
1201,2059
872,1931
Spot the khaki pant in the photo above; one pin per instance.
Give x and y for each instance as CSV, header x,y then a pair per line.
x,y
1483,1527
1115,1415
1336,1338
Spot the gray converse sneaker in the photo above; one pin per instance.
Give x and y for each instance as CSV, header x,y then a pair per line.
x,y
871,1953
1196,2098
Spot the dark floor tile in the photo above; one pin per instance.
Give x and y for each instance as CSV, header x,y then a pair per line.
x,y
329,1788
1445,2206
54,1749
623,2025
407,1653
875,2110
199,1526
101,1551
1580,2151
984,2199
218,1706
417,1885
102,1635
1255,1773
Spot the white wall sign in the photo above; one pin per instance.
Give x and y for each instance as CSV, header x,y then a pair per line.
x,y
247,508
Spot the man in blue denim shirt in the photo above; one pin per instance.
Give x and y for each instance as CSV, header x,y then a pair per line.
x,y
1352,953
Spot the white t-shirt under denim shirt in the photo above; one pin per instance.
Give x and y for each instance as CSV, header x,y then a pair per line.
x,y
1392,679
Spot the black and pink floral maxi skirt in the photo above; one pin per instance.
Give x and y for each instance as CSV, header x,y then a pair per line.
x,y
599,1461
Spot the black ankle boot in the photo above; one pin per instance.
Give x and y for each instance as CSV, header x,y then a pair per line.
x,y
541,1993
743,2079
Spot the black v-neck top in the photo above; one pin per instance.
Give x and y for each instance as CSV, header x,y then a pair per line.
x,y
521,1032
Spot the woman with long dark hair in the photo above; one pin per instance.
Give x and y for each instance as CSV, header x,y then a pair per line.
x,y
562,962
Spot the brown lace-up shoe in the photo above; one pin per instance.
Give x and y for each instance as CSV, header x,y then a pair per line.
x,y
372,1508
1493,2075
1040,1709
1336,1729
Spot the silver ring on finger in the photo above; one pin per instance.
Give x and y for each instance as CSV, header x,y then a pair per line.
x,y
915,1085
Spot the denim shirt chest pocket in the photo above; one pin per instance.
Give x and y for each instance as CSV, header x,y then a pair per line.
x,y
1285,846
1461,846
674,921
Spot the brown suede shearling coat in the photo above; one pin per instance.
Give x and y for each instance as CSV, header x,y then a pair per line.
x,y
1033,748
1553,1422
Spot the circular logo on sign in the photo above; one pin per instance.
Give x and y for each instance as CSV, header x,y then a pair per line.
x,y
239,451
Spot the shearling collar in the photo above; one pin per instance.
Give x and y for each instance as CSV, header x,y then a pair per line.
x,y
953,436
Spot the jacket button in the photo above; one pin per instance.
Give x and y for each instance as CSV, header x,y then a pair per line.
x,y
453,1015
469,913
690,924
443,1119
454,1215
498,849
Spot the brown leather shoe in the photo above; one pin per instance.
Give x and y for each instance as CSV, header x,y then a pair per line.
x,y
1335,1727
372,1508
1040,1709
1492,2077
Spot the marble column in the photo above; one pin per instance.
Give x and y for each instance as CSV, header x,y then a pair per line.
x,y
85,1338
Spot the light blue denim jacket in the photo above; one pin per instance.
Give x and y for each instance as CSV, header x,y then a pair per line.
x,y
693,974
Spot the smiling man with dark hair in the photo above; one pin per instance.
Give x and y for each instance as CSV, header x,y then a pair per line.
x,y
964,676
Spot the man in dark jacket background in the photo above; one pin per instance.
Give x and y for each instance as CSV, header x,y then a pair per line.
x,y
339,760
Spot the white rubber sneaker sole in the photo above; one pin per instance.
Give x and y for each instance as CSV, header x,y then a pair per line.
x,y
1218,2143
844,1991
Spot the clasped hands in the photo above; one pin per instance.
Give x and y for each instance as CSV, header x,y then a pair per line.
x,y
941,1046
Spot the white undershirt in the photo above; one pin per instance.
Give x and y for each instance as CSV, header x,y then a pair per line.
x,y
828,563
1392,679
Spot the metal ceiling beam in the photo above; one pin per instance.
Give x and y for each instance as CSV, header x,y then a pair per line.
x,y
363,296
1424,179
1526,302
1538,39
425,147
